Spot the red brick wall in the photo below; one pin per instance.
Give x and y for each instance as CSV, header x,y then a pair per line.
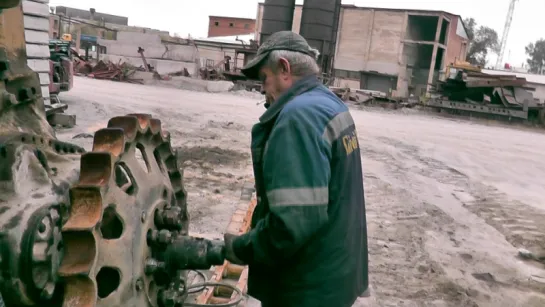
x,y
228,26
456,45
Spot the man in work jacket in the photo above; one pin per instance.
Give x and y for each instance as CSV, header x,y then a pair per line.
x,y
307,246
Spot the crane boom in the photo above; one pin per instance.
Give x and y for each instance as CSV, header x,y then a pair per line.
x,y
505,34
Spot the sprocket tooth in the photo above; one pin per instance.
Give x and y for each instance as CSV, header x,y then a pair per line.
x,y
96,168
164,150
181,197
165,135
111,140
85,208
129,124
155,125
176,180
80,252
171,163
143,120
80,291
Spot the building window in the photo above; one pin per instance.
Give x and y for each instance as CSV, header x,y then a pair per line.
x,y
347,74
216,23
231,24
246,26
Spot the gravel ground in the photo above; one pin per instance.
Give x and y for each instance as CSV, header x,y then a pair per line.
x,y
449,201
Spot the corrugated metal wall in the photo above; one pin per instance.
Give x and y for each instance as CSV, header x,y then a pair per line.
x,y
277,16
36,14
319,25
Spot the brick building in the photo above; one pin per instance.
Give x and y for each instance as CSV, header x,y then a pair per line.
x,y
229,26
396,51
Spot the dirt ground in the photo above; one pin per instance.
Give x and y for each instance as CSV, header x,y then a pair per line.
x,y
449,202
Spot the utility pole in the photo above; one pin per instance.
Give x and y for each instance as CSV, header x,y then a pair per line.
x,y
506,28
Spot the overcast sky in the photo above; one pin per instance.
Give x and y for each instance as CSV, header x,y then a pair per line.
x,y
191,16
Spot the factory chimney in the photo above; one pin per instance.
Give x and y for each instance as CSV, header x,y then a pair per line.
x,y
319,26
277,16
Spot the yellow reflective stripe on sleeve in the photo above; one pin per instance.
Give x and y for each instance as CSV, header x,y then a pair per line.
x,y
336,126
298,196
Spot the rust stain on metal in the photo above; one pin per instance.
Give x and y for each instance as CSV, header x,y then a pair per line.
x,y
86,208
110,140
96,168
79,292
79,253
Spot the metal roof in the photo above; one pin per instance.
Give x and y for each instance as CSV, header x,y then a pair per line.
x,y
352,6
228,39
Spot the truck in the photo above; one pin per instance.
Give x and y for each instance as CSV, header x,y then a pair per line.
x,y
61,67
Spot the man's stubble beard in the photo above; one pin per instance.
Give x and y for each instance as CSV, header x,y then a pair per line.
x,y
272,97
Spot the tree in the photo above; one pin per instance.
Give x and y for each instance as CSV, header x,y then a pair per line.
x,y
482,40
536,56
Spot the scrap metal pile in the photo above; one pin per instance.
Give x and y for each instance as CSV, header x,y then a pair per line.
x,y
363,97
110,71
468,90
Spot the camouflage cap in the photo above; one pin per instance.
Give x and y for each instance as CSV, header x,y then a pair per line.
x,y
282,40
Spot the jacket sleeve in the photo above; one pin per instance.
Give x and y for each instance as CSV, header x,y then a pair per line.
x,y
296,173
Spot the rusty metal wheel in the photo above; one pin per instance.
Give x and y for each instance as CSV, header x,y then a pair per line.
x,y
128,204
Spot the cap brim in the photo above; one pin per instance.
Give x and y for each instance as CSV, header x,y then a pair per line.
x,y
251,70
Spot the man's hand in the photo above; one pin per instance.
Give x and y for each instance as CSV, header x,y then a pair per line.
x,y
229,251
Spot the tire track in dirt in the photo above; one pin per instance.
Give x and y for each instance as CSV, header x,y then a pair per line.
x,y
401,270
516,221
521,224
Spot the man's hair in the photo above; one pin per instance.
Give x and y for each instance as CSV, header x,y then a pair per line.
x,y
301,64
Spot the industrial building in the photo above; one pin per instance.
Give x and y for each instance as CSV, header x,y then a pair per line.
x,y
399,52
230,26
91,15
90,24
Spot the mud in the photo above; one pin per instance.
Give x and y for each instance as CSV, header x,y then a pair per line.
x,y
206,157
449,201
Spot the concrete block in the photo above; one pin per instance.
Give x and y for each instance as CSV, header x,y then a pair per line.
x,y
37,51
36,23
61,119
45,92
44,78
219,86
144,75
37,37
39,65
35,8
191,84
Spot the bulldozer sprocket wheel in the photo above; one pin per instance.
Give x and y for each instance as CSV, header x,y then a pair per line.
x,y
129,202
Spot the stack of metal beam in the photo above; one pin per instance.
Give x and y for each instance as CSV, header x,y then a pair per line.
x,y
478,92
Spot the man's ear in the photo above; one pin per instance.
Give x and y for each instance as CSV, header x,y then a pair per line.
x,y
284,67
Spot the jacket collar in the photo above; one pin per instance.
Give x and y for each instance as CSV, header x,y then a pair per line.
x,y
299,87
